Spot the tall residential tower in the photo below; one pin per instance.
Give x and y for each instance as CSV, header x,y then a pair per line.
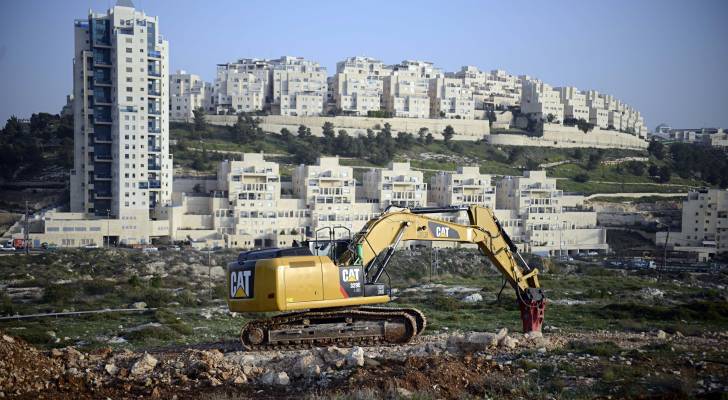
x,y
122,164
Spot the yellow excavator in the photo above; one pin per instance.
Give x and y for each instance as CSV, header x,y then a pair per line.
x,y
328,289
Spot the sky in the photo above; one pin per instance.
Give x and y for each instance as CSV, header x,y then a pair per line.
x,y
666,58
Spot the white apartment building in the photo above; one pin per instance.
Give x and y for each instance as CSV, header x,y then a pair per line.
x,y
451,98
538,215
397,185
357,87
704,227
497,88
187,93
122,165
465,186
541,100
574,103
299,86
242,86
598,115
406,90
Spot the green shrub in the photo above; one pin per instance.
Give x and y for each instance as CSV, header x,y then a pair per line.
x,y
58,294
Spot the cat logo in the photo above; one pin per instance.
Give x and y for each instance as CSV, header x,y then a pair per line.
x,y
241,284
443,231
350,275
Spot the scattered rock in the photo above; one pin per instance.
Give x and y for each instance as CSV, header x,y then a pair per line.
x,y
478,341
508,342
275,378
355,358
139,305
143,365
404,393
662,335
111,369
472,298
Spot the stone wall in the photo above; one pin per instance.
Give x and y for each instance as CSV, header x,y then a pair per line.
x,y
569,137
464,129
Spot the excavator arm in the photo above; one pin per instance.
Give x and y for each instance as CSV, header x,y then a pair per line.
x,y
374,245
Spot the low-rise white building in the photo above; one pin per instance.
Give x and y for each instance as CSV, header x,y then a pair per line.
x,y
541,101
704,228
397,185
451,98
545,221
299,86
188,92
358,85
406,90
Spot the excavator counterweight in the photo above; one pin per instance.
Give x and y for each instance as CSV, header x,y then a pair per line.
x,y
328,290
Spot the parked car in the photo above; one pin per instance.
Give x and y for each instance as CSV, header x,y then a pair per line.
x,y
150,250
174,248
91,246
6,248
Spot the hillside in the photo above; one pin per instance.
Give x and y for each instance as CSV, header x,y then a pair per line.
x,y
577,170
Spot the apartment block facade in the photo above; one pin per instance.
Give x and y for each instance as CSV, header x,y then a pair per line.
x,y
704,228
541,100
398,186
406,89
451,98
188,92
358,85
241,86
122,165
544,220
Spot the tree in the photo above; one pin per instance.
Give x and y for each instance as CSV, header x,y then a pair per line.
x,y
550,117
304,132
653,170
531,165
329,137
199,119
594,160
581,178
657,149
578,154
286,134
12,127
429,139
448,133
405,139
635,168
665,174
421,135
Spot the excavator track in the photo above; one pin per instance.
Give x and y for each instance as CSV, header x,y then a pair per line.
x,y
365,326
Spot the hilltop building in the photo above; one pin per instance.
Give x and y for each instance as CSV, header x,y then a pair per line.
x,y
358,85
188,92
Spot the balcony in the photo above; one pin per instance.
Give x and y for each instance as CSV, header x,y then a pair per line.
x,y
152,129
103,157
102,177
102,139
156,74
154,184
101,62
154,92
102,195
155,111
154,149
154,54
154,167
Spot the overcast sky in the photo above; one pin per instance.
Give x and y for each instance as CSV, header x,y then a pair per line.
x,y
666,58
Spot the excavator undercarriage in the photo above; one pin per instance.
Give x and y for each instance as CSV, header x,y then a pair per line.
x,y
328,291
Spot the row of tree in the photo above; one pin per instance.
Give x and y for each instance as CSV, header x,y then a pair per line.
x,y
30,146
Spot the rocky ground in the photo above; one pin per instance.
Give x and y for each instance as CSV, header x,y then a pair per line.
x,y
446,365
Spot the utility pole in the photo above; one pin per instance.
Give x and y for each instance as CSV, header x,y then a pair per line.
x,y
209,274
26,231
108,217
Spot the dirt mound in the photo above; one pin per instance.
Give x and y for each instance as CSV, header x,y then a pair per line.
x,y
444,377
23,369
